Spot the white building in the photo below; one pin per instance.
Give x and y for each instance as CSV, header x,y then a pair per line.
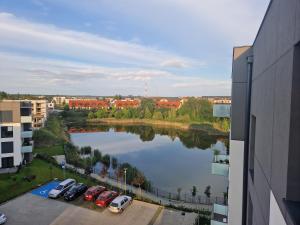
x,y
39,113
15,133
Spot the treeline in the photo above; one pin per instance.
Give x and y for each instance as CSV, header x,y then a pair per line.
x,y
194,110
133,175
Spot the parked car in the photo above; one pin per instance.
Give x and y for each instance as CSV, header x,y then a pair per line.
x,y
62,188
120,203
105,198
93,192
75,191
3,218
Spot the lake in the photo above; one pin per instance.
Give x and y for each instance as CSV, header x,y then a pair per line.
x,y
169,158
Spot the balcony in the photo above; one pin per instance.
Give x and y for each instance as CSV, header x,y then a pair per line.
x,y
220,165
26,119
27,145
26,134
26,149
25,104
219,215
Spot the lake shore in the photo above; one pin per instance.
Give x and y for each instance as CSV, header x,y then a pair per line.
x,y
183,126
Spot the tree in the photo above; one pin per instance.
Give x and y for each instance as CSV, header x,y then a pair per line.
x,y
172,114
86,150
66,107
147,114
157,115
194,192
91,115
114,163
138,180
97,155
207,191
106,160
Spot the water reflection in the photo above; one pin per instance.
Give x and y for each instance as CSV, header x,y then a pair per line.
x,y
170,158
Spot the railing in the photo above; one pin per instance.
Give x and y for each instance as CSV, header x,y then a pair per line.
x,y
219,215
183,197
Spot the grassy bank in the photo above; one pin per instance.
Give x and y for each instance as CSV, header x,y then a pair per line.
x,y
13,185
51,151
208,127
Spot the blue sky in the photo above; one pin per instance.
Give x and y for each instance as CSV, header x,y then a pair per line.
x,y
105,47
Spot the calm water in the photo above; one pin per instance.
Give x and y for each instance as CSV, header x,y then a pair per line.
x,y
169,158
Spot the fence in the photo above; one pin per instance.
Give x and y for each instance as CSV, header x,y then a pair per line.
x,y
182,197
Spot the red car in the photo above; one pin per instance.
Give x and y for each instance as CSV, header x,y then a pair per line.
x,y
105,198
92,193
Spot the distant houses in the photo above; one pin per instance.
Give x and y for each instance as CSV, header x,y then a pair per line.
x,y
88,104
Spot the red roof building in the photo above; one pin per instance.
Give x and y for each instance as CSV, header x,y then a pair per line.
x,y
88,104
168,104
127,103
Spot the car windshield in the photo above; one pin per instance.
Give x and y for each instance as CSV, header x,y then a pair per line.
x,y
59,187
114,204
73,189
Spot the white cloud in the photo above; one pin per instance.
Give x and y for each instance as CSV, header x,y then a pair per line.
x,y
48,39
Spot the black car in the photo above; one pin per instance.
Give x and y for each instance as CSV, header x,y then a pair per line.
x,y
75,191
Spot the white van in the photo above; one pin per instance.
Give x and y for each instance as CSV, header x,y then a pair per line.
x,y
61,188
119,203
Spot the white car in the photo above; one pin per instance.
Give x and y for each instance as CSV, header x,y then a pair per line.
x,y
61,188
3,218
119,203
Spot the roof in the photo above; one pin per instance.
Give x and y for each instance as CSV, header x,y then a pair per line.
x,y
82,103
168,104
126,103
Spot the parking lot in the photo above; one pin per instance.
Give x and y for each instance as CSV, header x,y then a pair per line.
x,y
35,208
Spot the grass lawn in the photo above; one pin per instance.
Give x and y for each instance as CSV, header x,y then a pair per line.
x,y
12,185
53,150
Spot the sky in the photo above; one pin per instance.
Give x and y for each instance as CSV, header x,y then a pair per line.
x,y
127,47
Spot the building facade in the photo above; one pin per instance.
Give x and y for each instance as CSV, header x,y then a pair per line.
x,y
264,174
39,113
15,133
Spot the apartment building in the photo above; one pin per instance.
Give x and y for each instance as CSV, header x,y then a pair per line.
x,y
39,113
264,173
15,133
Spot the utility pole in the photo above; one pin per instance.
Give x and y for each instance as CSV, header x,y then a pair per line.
x,y
125,170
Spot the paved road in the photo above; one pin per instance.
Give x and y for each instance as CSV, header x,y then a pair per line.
x,y
30,209
139,213
171,217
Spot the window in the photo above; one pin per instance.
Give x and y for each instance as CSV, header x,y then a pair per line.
x,y
7,147
7,132
25,111
7,162
6,116
252,146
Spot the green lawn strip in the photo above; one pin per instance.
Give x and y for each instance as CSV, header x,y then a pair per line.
x,y
13,185
51,151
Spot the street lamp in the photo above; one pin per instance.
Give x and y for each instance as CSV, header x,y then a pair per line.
x,y
125,169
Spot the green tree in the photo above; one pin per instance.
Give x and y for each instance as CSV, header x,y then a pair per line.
x,y
172,114
106,160
157,115
114,163
91,115
148,114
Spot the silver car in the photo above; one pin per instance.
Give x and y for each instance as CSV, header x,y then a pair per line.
x,y
3,218
62,188
119,204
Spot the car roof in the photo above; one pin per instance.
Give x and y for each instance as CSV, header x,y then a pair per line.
x,y
66,181
107,193
93,188
120,198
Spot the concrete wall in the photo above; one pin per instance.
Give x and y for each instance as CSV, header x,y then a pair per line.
x,y
275,104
